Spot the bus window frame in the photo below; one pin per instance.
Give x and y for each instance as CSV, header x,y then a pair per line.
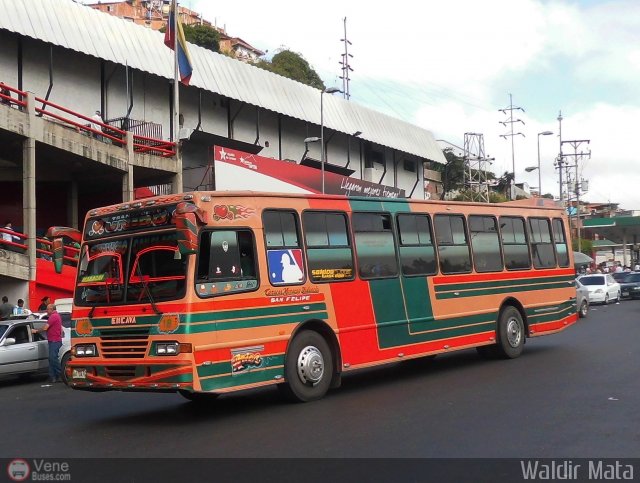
x,y
552,242
395,244
240,279
466,234
399,244
566,242
525,224
498,234
350,244
297,220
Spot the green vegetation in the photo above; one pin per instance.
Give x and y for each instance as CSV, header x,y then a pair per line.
x,y
293,66
586,246
201,35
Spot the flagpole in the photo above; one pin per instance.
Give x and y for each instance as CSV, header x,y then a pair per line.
x,y
177,179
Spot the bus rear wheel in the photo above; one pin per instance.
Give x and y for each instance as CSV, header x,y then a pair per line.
x,y
308,368
511,333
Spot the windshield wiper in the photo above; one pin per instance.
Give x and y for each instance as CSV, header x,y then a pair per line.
x,y
145,284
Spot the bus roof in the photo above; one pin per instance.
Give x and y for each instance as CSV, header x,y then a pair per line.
x,y
535,203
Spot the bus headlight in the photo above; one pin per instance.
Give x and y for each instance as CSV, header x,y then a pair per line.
x,y
84,350
172,348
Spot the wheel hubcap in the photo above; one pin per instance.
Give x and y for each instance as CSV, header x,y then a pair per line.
x,y
310,365
514,332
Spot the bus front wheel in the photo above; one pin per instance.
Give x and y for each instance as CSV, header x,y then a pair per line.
x,y
511,333
308,368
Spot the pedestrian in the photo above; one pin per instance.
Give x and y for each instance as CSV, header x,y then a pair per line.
x,y
53,328
96,124
45,302
20,309
6,309
9,237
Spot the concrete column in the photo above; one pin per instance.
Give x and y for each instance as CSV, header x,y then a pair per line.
x,y
625,259
127,178
29,200
127,185
176,183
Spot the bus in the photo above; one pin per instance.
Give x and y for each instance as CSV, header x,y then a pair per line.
x,y
206,293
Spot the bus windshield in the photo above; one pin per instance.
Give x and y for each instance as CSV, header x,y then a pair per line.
x,y
138,269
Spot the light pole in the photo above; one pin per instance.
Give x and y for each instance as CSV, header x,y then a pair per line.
x,y
543,133
328,90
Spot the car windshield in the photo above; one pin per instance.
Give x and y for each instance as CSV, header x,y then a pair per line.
x,y
592,280
632,277
3,329
619,276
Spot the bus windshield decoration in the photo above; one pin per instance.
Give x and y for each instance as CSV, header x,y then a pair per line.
x,y
294,290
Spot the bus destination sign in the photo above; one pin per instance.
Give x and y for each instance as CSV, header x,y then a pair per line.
x,y
120,223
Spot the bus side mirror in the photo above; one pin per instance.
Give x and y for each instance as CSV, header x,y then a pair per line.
x,y
58,254
187,218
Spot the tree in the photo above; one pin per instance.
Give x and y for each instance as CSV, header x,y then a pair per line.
x,y
586,246
201,35
293,66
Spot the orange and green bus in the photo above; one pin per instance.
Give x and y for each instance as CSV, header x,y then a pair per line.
x,y
206,293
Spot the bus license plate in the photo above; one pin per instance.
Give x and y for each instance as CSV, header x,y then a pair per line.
x,y
79,374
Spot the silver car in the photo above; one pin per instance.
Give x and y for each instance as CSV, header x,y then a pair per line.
x,y
23,353
582,299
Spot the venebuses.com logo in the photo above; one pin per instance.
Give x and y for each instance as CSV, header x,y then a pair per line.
x,y
19,469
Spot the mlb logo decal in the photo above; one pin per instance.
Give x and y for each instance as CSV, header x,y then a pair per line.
x,y
285,266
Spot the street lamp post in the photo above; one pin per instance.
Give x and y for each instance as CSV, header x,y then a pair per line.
x,y
328,90
543,133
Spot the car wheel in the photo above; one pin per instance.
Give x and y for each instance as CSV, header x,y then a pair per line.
x,y
308,368
511,333
584,309
63,367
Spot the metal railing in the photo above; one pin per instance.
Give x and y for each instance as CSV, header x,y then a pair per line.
x,y
44,248
83,124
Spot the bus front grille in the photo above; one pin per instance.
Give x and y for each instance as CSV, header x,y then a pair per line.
x,y
121,372
124,343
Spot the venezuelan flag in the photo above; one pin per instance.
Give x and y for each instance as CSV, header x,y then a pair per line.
x,y
183,58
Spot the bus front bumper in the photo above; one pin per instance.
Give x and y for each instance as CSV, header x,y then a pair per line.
x,y
165,375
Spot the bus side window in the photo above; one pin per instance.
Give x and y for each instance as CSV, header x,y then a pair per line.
x,y
284,250
485,243
226,255
561,242
417,253
453,244
328,246
542,250
375,245
514,243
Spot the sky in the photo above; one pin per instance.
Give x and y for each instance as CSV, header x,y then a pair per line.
x,y
449,66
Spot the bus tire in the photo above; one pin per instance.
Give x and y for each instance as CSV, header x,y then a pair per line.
x,y
308,368
198,397
63,368
511,333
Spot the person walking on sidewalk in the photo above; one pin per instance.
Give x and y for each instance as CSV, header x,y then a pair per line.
x,y
53,328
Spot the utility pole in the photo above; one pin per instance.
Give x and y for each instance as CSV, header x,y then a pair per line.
x,y
346,68
560,160
511,121
578,183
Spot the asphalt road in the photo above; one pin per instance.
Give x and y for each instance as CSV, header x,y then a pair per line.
x,y
570,395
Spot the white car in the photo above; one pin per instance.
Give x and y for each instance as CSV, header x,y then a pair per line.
x,y
602,288
23,353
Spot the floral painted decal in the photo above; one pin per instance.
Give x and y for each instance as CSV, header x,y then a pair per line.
x,y
231,212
